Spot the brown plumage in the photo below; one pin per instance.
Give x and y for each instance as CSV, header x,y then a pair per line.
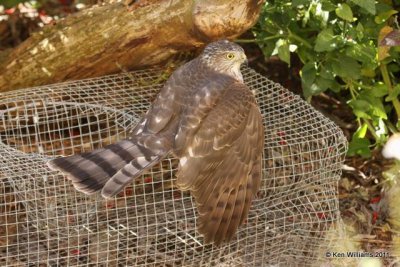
x,y
207,117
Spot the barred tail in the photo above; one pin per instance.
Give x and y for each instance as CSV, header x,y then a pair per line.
x,y
108,169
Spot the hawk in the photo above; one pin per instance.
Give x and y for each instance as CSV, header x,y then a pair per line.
x,y
208,118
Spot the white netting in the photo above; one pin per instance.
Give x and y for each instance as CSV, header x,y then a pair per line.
x,y
44,221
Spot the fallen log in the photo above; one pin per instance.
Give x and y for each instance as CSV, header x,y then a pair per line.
x,y
103,39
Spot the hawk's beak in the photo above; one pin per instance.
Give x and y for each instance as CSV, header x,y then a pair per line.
x,y
244,60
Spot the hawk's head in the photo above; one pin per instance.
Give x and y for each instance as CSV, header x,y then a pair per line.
x,y
225,57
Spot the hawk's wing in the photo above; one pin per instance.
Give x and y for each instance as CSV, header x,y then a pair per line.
x,y
221,165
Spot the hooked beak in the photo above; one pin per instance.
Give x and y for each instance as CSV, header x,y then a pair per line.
x,y
244,60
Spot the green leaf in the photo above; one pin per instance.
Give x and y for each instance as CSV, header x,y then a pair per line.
x,y
379,90
368,72
11,3
343,11
360,31
325,41
300,2
360,108
327,5
368,5
314,89
306,54
382,17
359,146
308,73
368,106
394,94
284,52
364,52
346,67
326,73
378,109
320,85
393,68
376,106
381,132
361,131
335,87
267,48
323,84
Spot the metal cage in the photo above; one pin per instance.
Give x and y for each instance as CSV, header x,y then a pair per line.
x,y
44,221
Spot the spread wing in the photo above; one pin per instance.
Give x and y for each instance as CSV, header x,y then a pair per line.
x,y
221,164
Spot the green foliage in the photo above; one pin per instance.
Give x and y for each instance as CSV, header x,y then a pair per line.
x,y
14,3
10,3
349,47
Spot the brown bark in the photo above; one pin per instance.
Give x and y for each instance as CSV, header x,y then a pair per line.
x,y
101,39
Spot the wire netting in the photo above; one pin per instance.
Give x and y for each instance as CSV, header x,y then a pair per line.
x,y
44,221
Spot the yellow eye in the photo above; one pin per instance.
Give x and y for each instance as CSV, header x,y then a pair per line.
x,y
230,56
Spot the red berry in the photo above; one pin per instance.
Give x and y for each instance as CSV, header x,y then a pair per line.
x,y
128,191
282,142
375,216
75,252
9,11
110,205
375,200
281,133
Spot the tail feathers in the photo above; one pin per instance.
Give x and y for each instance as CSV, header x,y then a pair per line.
x,y
107,168
124,176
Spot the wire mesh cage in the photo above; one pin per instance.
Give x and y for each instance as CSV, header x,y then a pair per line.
x,y
44,221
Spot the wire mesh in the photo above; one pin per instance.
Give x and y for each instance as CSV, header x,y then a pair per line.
x,y
44,221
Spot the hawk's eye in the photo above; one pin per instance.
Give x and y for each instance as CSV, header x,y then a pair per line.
x,y
230,56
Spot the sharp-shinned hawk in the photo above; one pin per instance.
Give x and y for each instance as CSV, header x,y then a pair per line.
x,y
207,117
